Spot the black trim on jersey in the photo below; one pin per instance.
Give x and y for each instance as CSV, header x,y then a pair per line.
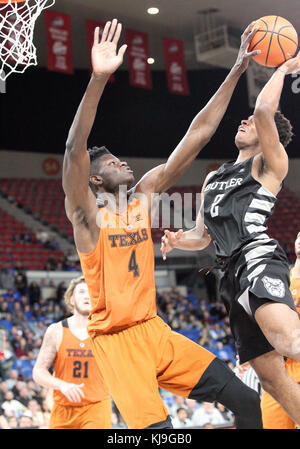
x,y
65,323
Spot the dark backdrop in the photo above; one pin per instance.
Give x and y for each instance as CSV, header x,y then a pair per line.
x,y
39,106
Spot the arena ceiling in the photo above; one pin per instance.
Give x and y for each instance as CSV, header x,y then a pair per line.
x,y
176,19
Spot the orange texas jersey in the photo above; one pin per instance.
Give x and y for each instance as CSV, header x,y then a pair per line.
x,y
76,364
293,367
119,271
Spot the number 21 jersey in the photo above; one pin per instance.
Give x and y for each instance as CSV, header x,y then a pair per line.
x,y
76,364
236,208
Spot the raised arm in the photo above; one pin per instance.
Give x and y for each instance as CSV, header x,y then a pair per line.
x,y
203,126
275,157
45,360
76,166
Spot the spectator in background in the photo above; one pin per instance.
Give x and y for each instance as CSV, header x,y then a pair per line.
x,y
3,422
179,402
37,415
25,421
12,405
192,406
60,291
42,236
12,379
22,350
7,279
34,292
3,391
226,414
72,256
21,282
12,422
207,414
24,396
181,420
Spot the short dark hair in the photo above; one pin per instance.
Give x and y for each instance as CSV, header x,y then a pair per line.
x,y
96,153
284,128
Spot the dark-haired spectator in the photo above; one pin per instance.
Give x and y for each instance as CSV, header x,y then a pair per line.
x,y
60,291
34,292
227,415
22,350
181,420
24,396
21,282
12,405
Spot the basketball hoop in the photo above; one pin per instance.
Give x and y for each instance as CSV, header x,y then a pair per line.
x,y
17,21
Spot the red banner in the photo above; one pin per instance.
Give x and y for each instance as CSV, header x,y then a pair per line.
x,y
90,28
176,73
138,53
58,28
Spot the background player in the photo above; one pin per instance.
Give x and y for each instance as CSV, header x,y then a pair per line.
x,y
81,398
238,199
136,351
274,417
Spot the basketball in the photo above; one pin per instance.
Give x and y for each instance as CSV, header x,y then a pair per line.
x,y
276,38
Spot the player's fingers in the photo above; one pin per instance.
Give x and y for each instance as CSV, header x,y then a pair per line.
x,y
105,31
249,27
122,50
251,34
112,30
96,35
117,33
179,233
253,53
167,233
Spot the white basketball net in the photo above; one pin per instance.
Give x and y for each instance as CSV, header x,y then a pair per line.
x,y
17,21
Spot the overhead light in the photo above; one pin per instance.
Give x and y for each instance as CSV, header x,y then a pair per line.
x,y
152,10
151,60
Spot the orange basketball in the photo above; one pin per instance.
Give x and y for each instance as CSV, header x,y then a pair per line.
x,y
275,37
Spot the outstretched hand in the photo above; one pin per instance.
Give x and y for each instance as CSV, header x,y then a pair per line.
x,y
168,241
291,65
105,58
244,56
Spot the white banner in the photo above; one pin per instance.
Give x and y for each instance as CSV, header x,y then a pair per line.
x,y
257,77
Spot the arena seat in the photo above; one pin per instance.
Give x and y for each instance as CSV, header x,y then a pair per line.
x,y
32,254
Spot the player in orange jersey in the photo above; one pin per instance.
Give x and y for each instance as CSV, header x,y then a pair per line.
x,y
81,398
136,351
274,416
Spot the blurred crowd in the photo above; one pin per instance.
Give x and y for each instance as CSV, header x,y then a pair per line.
x,y
24,316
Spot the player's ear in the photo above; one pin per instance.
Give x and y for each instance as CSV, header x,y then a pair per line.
x,y
96,180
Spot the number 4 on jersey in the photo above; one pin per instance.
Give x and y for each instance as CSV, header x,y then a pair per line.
x,y
214,210
133,265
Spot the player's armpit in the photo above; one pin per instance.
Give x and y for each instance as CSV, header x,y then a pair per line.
x,y
275,156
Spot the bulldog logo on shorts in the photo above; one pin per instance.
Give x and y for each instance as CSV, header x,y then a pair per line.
x,y
274,286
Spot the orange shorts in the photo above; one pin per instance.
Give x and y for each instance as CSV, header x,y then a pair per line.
x,y
137,361
92,416
273,415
